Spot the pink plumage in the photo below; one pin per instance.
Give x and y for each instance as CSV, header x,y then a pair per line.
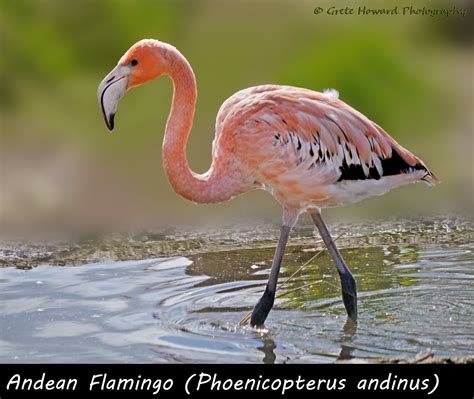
x,y
309,148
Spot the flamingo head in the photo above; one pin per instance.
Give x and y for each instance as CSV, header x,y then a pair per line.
x,y
144,61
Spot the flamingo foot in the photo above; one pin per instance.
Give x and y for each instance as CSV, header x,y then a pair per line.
x,y
262,308
349,294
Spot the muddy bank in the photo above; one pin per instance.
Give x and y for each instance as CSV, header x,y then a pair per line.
x,y
188,241
145,245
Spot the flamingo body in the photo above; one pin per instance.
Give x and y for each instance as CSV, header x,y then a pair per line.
x,y
309,149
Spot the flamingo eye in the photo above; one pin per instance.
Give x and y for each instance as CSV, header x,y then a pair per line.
x,y
133,62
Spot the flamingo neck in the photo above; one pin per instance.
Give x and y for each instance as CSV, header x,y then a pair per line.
x,y
192,186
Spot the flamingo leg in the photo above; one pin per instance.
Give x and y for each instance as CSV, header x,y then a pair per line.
x,y
264,305
348,284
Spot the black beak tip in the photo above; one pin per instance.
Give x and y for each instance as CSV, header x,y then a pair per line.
x,y
110,122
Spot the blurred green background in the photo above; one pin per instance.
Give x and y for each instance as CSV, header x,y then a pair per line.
x,y
61,169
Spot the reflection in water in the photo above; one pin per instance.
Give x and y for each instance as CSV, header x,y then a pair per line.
x,y
349,330
373,268
187,309
268,349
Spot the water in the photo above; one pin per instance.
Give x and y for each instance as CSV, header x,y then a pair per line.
x,y
415,281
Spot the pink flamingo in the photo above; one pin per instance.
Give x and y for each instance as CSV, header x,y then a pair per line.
x,y
310,150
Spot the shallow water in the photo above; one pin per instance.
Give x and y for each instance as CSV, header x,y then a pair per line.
x,y
415,282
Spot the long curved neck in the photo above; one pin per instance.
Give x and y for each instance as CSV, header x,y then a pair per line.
x,y
195,187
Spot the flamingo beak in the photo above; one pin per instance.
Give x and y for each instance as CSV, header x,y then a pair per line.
x,y
110,91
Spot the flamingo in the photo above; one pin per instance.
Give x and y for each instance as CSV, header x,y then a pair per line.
x,y
309,149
